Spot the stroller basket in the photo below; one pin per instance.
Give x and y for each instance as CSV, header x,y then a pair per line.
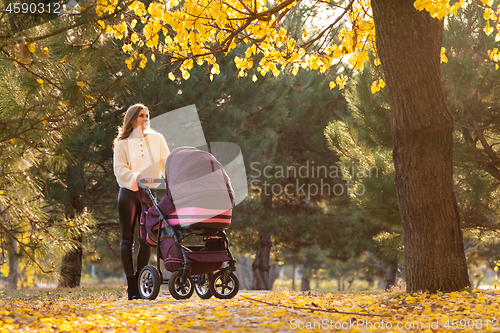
x,y
205,259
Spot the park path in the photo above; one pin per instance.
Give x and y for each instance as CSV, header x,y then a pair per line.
x,y
284,311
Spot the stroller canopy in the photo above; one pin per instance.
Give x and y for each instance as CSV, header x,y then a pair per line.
x,y
198,193
195,178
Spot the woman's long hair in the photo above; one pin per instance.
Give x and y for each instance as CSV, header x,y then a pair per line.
x,y
130,116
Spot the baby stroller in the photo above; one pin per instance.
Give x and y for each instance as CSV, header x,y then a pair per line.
x,y
198,201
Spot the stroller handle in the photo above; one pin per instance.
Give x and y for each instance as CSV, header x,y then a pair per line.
x,y
143,183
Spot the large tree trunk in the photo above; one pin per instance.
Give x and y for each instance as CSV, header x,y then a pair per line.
x,y
409,45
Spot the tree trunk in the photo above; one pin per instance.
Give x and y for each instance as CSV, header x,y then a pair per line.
x,y
305,284
261,265
71,268
13,264
409,45
100,274
390,275
294,267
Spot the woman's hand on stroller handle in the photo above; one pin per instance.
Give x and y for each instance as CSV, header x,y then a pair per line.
x,y
146,179
144,182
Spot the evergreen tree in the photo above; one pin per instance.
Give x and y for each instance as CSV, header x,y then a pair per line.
x,y
55,72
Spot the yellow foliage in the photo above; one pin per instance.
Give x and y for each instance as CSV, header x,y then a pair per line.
x,y
197,29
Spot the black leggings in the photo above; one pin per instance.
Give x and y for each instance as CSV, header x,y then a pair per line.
x,y
129,209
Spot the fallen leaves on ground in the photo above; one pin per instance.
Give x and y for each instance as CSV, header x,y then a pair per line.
x,y
467,311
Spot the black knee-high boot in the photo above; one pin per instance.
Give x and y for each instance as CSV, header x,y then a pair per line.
x,y
133,289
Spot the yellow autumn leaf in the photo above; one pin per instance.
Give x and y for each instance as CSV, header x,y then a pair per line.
x,y
341,81
144,60
80,84
443,55
31,48
12,140
63,59
40,81
332,84
171,76
127,47
488,29
214,70
129,62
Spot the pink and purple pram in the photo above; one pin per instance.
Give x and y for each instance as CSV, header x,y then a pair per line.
x,y
198,201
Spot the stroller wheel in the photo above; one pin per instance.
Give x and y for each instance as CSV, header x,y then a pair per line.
x,y
178,290
224,289
202,286
149,282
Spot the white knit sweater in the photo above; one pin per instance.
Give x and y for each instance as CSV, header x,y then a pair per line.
x,y
139,156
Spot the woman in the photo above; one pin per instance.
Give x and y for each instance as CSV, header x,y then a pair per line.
x,y
139,154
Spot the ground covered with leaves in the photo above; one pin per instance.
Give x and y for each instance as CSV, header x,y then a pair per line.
x,y
106,310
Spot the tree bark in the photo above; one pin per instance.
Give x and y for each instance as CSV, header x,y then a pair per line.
x,y
13,264
390,275
305,283
71,268
409,45
261,265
